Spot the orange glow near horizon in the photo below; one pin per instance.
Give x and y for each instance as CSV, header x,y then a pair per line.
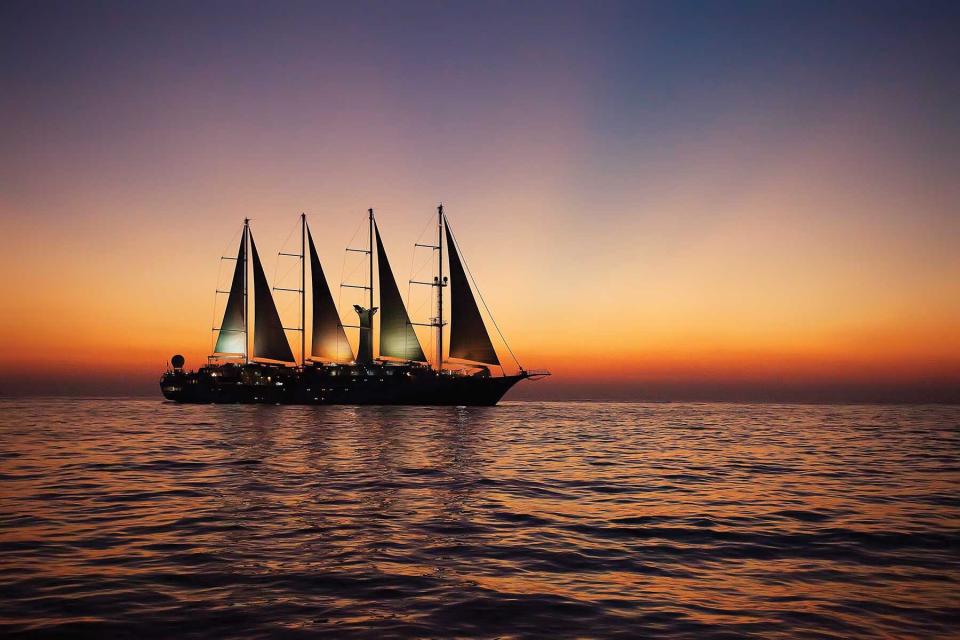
x,y
740,306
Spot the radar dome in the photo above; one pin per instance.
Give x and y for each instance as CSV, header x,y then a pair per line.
x,y
177,361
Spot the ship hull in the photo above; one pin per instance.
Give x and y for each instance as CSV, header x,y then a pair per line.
x,y
377,385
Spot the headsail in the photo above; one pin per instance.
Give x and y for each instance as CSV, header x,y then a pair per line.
x,y
233,337
469,339
397,337
329,339
269,341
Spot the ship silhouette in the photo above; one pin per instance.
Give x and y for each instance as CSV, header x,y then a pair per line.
x,y
259,366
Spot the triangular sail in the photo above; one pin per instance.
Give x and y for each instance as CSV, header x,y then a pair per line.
x,y
329,339
269,340
232,338
469,339
397,337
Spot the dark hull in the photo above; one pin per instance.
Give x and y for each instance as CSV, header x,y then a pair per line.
x,y
379,385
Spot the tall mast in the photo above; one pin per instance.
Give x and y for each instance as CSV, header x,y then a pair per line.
x,y
365,346
246,298
370,246
440,288
303,289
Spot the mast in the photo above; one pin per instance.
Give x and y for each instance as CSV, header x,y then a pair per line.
x,y
246,298
303,289
370,253
365,346
370,283
440,288
439,282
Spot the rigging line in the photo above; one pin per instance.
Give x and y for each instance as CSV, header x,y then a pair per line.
x,y
343,267
287,239
276,263
283,277
416,272
232,241
430,219
492,319
418,309
413,257
350,273
356,231
284,310
415,247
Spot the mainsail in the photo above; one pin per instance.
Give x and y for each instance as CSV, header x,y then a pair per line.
x,y
469,339
329,339
397,337
233,337
269,341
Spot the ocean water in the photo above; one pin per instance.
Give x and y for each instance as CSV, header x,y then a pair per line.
x,y
139,518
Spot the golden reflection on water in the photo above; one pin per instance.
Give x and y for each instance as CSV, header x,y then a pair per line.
x,y
572,516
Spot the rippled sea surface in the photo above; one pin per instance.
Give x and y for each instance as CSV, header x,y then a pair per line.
x,y
139,518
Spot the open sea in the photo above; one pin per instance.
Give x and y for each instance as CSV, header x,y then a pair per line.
x,y
141,519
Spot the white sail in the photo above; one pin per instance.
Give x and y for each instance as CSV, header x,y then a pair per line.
x,y
329,340
469,339
232,339
397,337
269,340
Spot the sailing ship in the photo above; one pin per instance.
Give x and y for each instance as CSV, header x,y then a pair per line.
x,y
329,372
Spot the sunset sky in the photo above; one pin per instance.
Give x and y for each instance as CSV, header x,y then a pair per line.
x,y
675,200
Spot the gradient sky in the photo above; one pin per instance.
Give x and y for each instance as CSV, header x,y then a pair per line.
x,y
728,200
